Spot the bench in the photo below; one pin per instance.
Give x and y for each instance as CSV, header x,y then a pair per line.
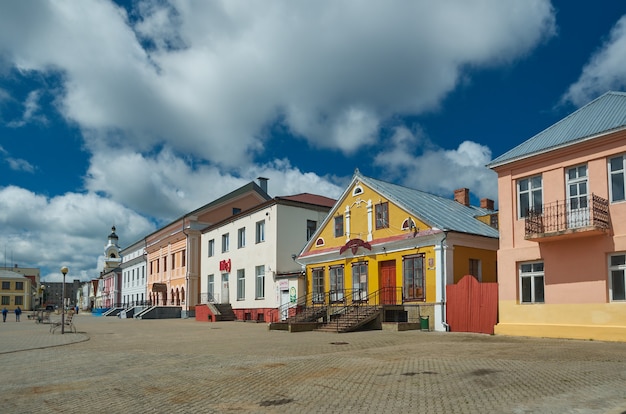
x,y
69,323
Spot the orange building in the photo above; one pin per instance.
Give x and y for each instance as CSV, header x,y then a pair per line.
x,y
562,256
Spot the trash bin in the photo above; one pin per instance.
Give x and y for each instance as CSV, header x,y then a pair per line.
x,y
424,323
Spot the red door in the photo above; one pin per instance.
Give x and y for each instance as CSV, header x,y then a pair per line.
x,y
388,282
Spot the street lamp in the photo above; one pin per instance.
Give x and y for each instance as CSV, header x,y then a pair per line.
x,y
64,270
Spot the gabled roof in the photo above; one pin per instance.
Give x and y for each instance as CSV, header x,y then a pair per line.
x,y
7,274
308,198
438,212
601,116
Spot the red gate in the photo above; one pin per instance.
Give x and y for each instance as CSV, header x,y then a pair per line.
x,y
472,306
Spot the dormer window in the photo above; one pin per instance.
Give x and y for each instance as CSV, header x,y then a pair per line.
x,y
357,190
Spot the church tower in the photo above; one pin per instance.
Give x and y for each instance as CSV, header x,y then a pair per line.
x,y
112,258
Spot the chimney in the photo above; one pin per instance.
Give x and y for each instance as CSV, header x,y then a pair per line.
x,y
263,183
462,196
486,203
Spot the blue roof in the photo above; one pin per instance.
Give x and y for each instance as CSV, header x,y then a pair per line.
x,y
601,116
439,212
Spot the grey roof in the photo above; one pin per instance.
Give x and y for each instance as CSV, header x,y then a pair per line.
x,y
436,211
603,115
7,274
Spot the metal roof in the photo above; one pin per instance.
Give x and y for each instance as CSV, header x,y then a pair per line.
x,y
440,212
601,116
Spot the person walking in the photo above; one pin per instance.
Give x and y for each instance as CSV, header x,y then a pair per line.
x,y
18,312
4,314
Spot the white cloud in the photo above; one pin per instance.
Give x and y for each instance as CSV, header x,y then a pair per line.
x,y
604,71
16,164
195,75
31,111
70,230
419,164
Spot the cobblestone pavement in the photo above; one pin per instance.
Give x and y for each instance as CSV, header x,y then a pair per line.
x,y
182,366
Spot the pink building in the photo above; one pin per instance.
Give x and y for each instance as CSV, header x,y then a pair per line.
x,y
562,256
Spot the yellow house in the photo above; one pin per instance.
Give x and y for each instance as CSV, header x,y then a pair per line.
x,y
15,290
395,249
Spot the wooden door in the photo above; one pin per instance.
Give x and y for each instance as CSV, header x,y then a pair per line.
x,y
388,282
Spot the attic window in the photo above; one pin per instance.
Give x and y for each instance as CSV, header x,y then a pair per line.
x,y
408,224
357,190
320,242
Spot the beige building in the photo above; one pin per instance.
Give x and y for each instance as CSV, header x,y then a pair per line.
x,y
15,290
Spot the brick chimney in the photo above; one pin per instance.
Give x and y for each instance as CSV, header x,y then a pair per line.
x,y
486,203
462,196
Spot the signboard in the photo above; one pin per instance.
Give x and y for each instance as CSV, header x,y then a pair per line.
x,y
225,266
283,284
159,287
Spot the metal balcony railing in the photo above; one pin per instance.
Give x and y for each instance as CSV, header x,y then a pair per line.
x,y
561,217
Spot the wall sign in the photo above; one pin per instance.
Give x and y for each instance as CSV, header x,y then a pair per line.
x,y
225,266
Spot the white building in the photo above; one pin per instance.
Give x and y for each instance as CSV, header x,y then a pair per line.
x,y
248,260
134,278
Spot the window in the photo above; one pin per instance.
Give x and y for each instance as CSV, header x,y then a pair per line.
x,y
211,247
19,285
241,238
382,215
211,288
6,300
529,196
260,231
225,242
260,282
6,285
241,284
413,277
359,281
336,283
475,269
317,277
339,226
531,282
311,226
19,300
183,258
617,272
165,263
617,172
236,210
173,260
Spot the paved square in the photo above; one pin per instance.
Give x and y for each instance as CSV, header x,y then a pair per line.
x,y
182,366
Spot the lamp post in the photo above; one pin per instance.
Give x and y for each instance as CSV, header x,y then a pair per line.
x,y
64,271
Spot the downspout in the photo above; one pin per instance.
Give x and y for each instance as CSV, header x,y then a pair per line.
x,y
444,279
187,256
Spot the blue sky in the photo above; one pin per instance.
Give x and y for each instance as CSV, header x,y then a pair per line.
x,y
133,113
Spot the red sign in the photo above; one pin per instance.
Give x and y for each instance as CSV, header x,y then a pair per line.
x,y
354,245
225,265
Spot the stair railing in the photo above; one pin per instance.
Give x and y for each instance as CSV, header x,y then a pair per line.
x,y
358,305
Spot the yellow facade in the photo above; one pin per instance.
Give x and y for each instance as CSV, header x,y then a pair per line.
x,y
444,255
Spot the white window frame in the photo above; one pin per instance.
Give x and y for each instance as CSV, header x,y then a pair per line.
x,y
241,238
211,248
533,275
621,172
531,191
225,242
241,284
260,231
259,289
619,268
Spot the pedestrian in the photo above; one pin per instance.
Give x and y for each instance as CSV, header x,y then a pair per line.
x,y
4,314
18,312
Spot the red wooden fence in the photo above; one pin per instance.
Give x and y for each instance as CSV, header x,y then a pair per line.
x,y
472,306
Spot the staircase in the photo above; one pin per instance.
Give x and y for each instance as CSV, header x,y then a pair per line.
x,y
351,319
223,311
309,314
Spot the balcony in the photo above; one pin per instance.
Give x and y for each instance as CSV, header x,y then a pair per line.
x,y
559,220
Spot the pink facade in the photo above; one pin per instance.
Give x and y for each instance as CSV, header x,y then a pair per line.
x,y
563,240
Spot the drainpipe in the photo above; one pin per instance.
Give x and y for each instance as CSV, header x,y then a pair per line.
x,y
187,257
444,279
